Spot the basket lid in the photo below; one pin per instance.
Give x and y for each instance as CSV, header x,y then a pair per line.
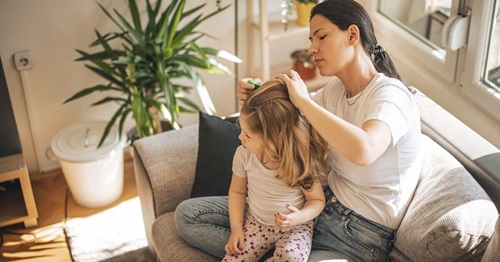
x,y
78,142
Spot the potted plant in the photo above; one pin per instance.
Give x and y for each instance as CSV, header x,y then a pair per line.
x,y
143,72
303,9
303,63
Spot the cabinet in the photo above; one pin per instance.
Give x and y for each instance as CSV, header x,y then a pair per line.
x,y
270,29
17,203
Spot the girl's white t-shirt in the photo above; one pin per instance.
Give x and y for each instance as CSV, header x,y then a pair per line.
x,y
382,190
266,194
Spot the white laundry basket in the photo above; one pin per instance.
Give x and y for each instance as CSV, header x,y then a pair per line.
x,y
94,175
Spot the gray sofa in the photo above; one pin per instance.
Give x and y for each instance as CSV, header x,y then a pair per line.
x,y
451,218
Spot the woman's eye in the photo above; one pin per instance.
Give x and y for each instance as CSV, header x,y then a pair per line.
x,y
322,37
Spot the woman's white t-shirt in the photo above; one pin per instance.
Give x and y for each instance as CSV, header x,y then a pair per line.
x,y
382,190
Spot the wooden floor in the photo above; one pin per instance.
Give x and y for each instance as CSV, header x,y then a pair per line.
x,y
47,241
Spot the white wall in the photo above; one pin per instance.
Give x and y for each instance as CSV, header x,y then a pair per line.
x,y
52,30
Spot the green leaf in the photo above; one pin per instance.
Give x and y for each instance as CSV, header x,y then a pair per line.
x,y
99,55
222,54
186,30
193,61
88,91
141,117
110,17
176,17
110,124
219,68
134,12
109,99
137,35
199,51
122,121
163,23
106,76
193,10
189,103
112,36
185,110
202,92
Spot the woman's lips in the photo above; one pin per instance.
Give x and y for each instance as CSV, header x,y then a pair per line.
x,y
317,61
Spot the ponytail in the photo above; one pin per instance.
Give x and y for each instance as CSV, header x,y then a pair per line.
x,y
383,62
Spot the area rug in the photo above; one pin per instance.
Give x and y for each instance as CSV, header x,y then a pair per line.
x,y
114,235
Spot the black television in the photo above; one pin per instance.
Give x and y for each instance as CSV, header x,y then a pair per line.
x,y
9,135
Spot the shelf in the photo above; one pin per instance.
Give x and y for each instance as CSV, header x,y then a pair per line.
x,y
264,28
277,28
17,203
12,204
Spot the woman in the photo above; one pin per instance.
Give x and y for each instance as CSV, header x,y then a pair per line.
x,y
372,125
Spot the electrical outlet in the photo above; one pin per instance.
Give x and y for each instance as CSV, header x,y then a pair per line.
x,y
23,60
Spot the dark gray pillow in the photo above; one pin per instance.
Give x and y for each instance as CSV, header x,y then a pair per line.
x,y
218,140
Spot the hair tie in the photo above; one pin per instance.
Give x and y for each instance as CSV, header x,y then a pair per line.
x,y
377,49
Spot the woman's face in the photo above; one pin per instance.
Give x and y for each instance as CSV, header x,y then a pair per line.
x,y
251,141
329,45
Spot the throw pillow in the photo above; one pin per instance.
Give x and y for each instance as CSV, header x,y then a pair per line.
x,y
218,140
451,218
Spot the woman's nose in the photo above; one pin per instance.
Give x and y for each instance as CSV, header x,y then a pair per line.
x,y
312,48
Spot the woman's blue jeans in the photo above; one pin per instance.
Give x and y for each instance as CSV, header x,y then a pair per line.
x,y
339,232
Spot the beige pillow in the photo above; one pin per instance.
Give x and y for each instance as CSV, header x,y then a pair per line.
x,y
493,250
451,218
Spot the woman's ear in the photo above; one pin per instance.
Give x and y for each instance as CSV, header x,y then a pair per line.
x,y
353,32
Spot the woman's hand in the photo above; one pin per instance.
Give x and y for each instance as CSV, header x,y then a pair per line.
x,y
297,89
235,243
244,89
289,220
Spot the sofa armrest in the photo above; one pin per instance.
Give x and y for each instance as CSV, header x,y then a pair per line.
x,y
169,162
164,167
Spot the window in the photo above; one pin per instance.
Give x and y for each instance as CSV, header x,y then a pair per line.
x,y
492,72
457,41
479,79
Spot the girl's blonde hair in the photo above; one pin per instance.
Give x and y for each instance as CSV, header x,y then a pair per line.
x,y
287,136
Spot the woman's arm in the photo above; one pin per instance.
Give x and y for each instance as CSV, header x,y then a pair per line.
x,y
361,146
236,204
315,203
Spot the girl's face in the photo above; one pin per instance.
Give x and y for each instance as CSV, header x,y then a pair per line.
x,y
251,141
329,45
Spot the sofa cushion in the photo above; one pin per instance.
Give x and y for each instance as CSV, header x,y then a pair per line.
x,y
451,218
493,249
170,246
218,140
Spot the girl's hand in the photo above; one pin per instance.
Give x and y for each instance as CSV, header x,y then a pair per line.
x,y
235,243
244,89
297,89
286,221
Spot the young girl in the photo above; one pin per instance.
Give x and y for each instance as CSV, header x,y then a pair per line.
x,y
280,166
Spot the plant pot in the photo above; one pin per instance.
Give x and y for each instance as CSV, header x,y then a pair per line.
x,y
306,73
303,63
303,13
94,175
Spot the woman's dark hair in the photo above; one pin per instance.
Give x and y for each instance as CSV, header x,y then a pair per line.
x,y
344,13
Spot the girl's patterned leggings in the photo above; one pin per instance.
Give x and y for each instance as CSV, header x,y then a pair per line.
x,y
291,244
